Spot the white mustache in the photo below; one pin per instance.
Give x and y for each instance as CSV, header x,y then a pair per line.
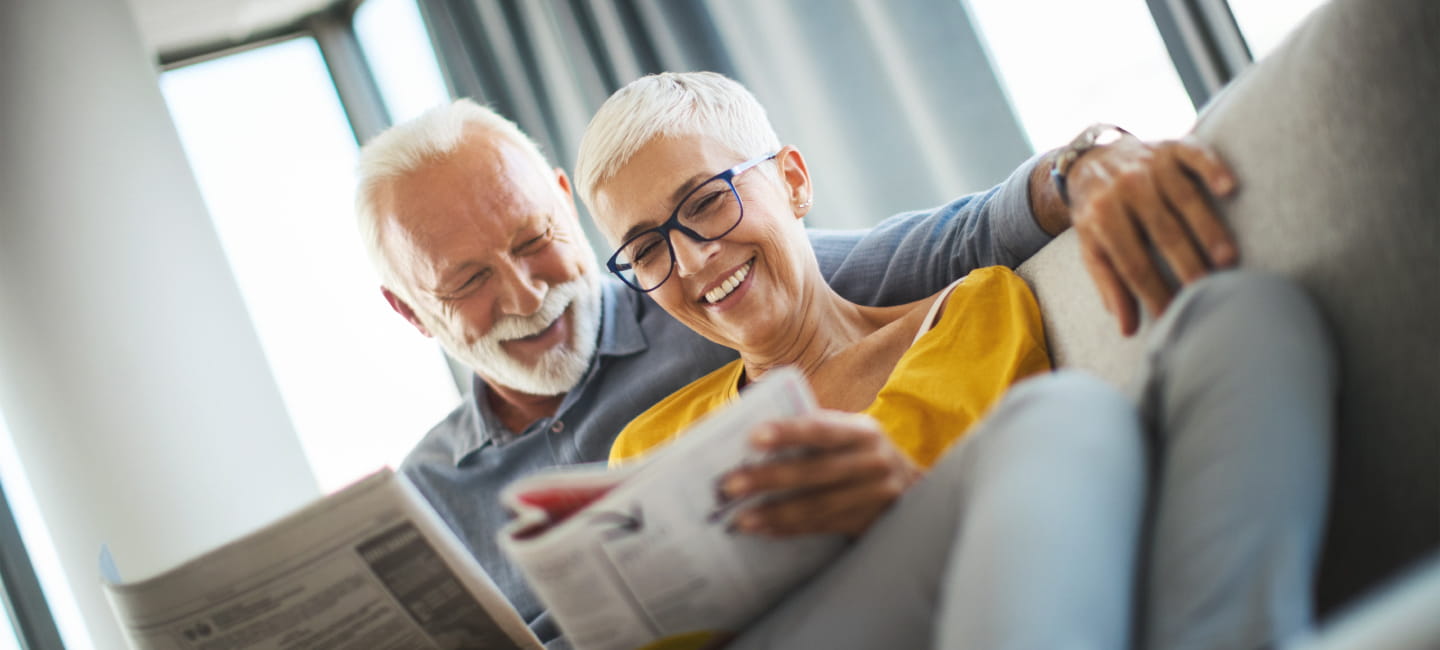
x,y
557,299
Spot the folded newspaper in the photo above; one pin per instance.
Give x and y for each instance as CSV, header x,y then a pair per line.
x,y
645,553
369,567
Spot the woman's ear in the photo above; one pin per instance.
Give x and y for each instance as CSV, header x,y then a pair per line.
x,y
796,178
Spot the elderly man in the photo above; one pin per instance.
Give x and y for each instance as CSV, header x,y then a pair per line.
x,y
477,242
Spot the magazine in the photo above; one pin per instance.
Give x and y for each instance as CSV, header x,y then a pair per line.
x,y
646,552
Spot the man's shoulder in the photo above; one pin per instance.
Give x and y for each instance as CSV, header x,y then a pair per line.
x,y
661,333
442,444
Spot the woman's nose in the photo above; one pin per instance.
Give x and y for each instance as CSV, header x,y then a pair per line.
x,y
691,255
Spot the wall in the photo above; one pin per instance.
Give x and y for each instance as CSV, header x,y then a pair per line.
x,y
137,395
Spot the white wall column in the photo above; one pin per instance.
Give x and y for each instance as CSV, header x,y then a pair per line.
x,y
135,389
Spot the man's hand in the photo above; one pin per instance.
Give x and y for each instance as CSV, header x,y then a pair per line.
x,y
1129,195
843,474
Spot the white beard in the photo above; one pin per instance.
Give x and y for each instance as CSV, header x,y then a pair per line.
x,y
561,368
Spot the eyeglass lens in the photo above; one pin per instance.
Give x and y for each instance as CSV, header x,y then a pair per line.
x,y
710,212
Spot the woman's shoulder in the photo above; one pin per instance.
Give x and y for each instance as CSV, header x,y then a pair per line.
x,y
994,275
905,324
984,285
986,279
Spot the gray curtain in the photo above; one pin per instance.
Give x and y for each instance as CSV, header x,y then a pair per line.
x,y
894,102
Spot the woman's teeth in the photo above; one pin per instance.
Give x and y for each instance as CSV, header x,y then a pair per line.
x,y
721,292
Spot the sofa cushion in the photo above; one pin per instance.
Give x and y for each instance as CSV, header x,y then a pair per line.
x,y
1335,138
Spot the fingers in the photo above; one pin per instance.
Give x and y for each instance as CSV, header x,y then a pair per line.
x,y
1206,165
846,510
1197,212
1114,232
824,430
1156,201
1113,294
848,474
863,462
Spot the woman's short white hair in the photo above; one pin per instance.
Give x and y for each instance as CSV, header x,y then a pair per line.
x,y
670,104
407,146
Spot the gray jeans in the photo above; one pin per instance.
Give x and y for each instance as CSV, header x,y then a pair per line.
x,y
1184,515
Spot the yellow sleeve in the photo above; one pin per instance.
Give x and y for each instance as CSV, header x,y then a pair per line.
x,y
989,336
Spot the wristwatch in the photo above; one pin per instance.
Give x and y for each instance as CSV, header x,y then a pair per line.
x,y
1096,135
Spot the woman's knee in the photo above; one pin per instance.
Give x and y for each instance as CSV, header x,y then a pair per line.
x,y
1246,313
1067,413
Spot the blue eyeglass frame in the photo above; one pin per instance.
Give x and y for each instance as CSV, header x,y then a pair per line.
x,y
673,223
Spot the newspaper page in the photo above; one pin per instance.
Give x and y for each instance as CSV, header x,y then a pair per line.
x,y
370,567
647,553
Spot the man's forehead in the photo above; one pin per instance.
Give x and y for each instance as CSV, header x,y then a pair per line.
x,y
485,171
478,197
488,155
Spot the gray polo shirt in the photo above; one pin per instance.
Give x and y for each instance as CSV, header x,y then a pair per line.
x,y
643,355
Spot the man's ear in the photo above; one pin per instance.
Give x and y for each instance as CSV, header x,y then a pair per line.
x,y
404,310
564,181
796,177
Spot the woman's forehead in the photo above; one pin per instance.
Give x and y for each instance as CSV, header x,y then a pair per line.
x,y
660,174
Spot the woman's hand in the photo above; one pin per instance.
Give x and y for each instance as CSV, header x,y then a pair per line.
x,y
842,472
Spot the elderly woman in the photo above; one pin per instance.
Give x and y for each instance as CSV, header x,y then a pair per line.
x,y
1062,503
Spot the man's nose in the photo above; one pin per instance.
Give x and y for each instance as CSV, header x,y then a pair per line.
x,y
691,255
523,293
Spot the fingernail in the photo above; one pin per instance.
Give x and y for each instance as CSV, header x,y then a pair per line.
x,y
1223,254
748,522
1223,183
763,436
736,485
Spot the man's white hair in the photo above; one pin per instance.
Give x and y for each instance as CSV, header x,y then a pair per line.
x,y
407,146
670,104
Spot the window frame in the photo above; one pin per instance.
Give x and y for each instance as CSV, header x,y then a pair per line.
x,y
1205,44
333,30
24,598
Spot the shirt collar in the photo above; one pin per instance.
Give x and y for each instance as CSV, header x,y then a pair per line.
x,y
620,335
620,331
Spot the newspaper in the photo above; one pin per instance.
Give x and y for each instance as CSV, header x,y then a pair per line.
x,y
370,567
646,552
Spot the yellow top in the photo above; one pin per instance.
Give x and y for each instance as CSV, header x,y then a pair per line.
x,y
988,337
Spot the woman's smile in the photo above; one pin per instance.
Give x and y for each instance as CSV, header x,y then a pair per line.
x,y
718,295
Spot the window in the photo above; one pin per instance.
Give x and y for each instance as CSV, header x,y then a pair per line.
x,y
274,159
8,639
20,503
1068,64
1265,23
399,53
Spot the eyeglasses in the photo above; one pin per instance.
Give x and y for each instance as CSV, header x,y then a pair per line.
x,y
707,213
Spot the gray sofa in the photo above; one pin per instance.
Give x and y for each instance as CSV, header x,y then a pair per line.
x,y
1336,141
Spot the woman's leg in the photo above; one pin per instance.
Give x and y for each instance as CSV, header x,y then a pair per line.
x,y
1023,536
1238,392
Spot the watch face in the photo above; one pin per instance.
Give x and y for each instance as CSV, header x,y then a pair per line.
x,y
1097,135
1108,136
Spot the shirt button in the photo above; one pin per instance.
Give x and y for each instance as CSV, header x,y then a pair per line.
x,y
557,427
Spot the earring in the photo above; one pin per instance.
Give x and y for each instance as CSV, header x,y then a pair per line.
x,y
804,205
